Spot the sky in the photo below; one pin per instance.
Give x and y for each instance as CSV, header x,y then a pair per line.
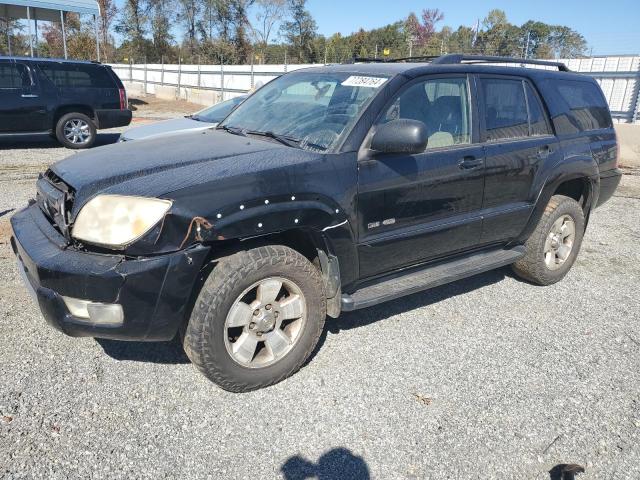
x,y
609,27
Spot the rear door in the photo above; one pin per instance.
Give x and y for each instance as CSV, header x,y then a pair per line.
x,y
21,107
518,140
415,208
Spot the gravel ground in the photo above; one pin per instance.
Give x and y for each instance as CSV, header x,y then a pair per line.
x,y
489,377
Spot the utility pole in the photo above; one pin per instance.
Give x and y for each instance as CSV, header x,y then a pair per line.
x,y
526,51
376,55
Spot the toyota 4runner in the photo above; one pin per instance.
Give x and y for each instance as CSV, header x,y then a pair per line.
x,y
329,189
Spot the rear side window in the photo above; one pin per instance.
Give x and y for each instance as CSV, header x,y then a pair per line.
x,y
582,106
505,109
69,75
14,75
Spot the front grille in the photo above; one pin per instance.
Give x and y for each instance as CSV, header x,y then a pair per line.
x,y
55,198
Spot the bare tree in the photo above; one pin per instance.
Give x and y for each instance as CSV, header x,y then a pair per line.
x,y
268,14
108,13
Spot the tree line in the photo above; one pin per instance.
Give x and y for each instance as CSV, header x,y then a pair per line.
x,y
279,31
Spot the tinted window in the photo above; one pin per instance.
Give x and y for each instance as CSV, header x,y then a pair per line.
x,y
583,105
69,75
505,109
442,105
536,113
14,76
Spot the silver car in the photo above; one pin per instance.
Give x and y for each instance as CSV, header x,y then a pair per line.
x,y
207,118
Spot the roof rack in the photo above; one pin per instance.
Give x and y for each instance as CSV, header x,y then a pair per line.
x,y
395,60
458,58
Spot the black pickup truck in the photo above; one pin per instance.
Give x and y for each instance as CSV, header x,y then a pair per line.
x,y
68,99
329,189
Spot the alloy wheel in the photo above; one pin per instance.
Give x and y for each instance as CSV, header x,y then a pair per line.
x,y
265,322
77,131
559,242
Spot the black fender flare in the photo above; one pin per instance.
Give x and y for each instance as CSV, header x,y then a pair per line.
x,y
571,168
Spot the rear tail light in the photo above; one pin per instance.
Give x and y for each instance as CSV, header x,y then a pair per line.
x,y
123,99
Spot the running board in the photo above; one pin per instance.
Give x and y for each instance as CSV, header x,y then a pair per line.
x,y
416,280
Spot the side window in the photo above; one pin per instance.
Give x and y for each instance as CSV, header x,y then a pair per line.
x,y
537,117
505,109
442,104
14,75
70,75
584,107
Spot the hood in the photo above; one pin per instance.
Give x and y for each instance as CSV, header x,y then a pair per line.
x,y
165,127
157,166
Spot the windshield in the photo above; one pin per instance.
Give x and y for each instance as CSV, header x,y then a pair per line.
x,y
217,112
312,111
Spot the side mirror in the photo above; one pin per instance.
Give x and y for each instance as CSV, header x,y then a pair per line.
x,y
400,136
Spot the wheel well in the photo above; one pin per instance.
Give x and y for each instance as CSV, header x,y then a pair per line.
x,y
88,111
578,188
300,240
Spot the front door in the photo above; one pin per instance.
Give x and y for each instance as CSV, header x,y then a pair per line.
x,y
416,208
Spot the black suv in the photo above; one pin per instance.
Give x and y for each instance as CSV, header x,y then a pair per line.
x,y
329,189
68,99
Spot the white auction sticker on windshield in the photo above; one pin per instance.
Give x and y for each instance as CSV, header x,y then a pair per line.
x,y
371,82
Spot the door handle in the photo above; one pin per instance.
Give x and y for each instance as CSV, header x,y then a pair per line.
x,y
469,163
29,95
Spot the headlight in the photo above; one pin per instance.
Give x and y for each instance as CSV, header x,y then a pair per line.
x,y
116,221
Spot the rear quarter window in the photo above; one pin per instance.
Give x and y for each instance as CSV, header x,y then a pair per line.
x,y
64,75
577,106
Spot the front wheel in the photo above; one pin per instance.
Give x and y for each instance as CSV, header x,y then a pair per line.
x,y
257,318
76,130
554,245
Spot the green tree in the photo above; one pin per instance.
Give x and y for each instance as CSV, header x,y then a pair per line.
x,y
300,30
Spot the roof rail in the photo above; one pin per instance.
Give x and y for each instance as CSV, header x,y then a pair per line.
x,y
394,60
458,58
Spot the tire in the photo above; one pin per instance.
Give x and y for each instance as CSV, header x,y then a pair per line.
x,y
546,260
214,346
85,131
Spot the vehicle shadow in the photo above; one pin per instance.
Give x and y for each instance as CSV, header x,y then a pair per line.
x,y
173,353
45,141
336,464
367,316
150,352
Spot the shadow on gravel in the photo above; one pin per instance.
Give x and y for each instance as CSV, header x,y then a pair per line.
x,y
152,352
45,141
565,471
367,316
173,353
336,464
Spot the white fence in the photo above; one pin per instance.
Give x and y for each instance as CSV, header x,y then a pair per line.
x,y
619,77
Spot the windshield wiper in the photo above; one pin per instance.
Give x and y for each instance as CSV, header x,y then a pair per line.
x,y
283,139
233,130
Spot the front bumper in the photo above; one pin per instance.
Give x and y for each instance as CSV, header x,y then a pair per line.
x,y
154,292
113,118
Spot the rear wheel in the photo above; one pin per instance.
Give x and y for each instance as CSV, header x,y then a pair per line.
x,y
554,244
76,130
257,318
